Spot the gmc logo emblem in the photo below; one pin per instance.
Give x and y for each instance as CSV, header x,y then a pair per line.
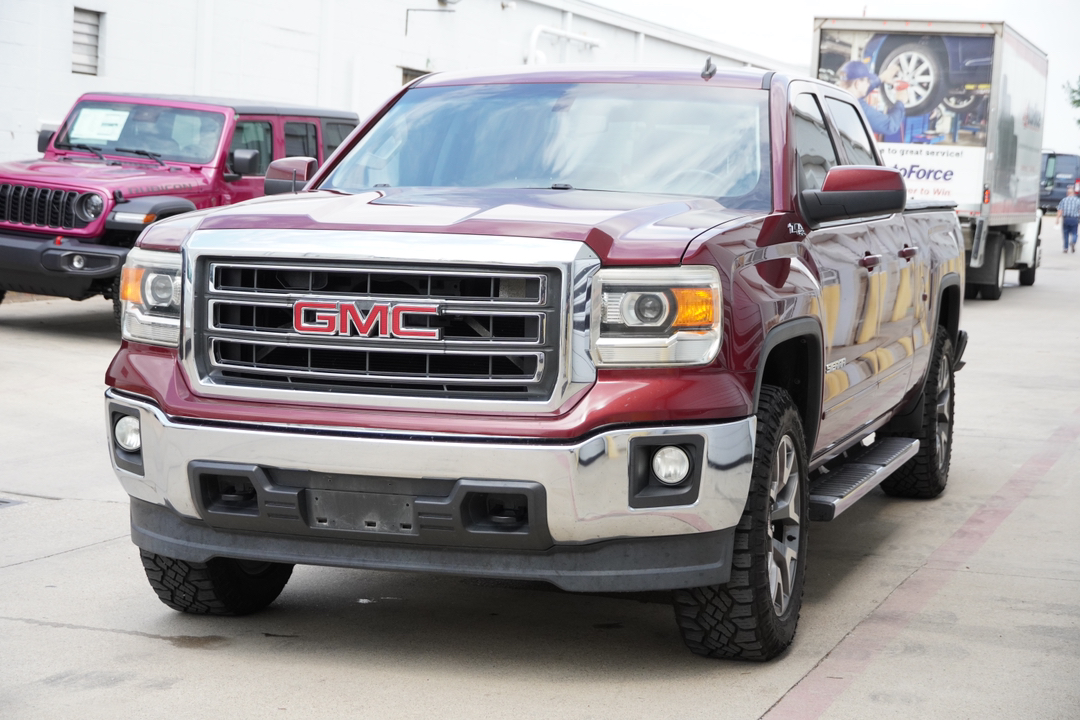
x,y
384,320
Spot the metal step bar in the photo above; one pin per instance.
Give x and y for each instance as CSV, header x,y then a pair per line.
x,y
837,490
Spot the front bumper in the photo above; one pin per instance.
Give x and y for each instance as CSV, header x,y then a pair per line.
x,y
43,266
397,501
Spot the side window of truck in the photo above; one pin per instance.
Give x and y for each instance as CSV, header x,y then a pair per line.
x,y
812,142
300,139
334,133
254,135
1067,167
853,134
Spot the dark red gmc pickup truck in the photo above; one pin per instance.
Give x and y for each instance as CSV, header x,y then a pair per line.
x,y
615,329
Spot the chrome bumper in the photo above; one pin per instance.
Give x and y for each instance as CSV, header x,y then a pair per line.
x,y
585,483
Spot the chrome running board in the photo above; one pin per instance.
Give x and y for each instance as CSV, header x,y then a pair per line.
x,y
835,491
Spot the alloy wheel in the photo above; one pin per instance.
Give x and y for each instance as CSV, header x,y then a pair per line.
x,y
785,518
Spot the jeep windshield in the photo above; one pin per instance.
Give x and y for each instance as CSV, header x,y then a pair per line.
x,y
134,130
648,138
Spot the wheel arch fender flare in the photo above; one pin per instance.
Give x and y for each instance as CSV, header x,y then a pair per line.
x,y
811,378
948,304
160,206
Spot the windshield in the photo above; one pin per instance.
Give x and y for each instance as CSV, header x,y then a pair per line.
x,y
171,133
671,139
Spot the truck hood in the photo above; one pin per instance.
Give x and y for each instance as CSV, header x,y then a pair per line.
x,y
132,179
622,228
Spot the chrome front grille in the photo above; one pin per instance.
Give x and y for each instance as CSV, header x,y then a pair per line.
x,y
498,329
38,206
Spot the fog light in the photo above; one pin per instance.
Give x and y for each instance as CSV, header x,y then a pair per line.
x,y
671,465
78,262
127,433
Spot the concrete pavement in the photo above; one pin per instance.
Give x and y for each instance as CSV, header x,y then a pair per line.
x,y
967,606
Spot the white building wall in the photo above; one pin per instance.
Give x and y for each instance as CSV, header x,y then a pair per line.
x,y
346,54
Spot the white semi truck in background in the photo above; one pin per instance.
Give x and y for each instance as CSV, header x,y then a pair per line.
x,y
958,108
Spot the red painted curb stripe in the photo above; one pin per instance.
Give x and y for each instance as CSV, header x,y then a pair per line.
x,y
831,677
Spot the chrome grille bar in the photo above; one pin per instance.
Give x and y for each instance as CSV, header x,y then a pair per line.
x,y
491,328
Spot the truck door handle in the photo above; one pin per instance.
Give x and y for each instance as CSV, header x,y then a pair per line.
x,y
908,252
869,261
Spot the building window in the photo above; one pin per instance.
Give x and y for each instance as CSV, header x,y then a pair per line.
x,y
408,75
84,45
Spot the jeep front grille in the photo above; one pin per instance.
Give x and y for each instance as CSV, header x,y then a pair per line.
x,y
498,329
37,206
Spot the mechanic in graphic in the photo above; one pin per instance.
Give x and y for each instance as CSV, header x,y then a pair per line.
x,y
857,78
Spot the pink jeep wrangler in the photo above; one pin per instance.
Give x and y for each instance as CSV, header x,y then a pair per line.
x,y
119,162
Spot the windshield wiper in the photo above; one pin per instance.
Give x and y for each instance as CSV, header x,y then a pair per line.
x,y
156,157
80,146
561,186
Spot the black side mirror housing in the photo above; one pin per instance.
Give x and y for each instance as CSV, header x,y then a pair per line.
x,y
851,192
43,139
242,161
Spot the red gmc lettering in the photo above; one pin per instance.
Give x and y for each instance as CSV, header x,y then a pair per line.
x,y
382,320
325,322
397,323
351,318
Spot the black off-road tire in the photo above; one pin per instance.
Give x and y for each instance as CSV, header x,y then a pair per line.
x,y
926,474
971,291
221,586
745,619
117,305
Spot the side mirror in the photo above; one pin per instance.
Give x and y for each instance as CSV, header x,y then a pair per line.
x,y
855,191
44,137
244,161
289,175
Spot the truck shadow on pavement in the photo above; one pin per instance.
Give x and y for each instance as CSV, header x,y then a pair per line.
x,y
424,622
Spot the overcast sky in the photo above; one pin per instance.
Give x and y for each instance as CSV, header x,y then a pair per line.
x,y
782,29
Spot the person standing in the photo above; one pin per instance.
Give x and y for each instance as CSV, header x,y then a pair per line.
x,y
1069,216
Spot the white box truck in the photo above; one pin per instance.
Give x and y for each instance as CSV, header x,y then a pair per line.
x,y
958,108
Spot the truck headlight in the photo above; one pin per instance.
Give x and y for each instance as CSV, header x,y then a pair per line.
x,y
150,292
656,316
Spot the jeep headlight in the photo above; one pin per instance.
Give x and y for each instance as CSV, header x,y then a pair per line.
x,y
150,293
656,316
89,207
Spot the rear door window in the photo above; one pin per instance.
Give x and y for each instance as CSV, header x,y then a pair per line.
x,y
301,139
853,136
334,133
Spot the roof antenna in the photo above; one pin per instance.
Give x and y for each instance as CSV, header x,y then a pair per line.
x,y
710,69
